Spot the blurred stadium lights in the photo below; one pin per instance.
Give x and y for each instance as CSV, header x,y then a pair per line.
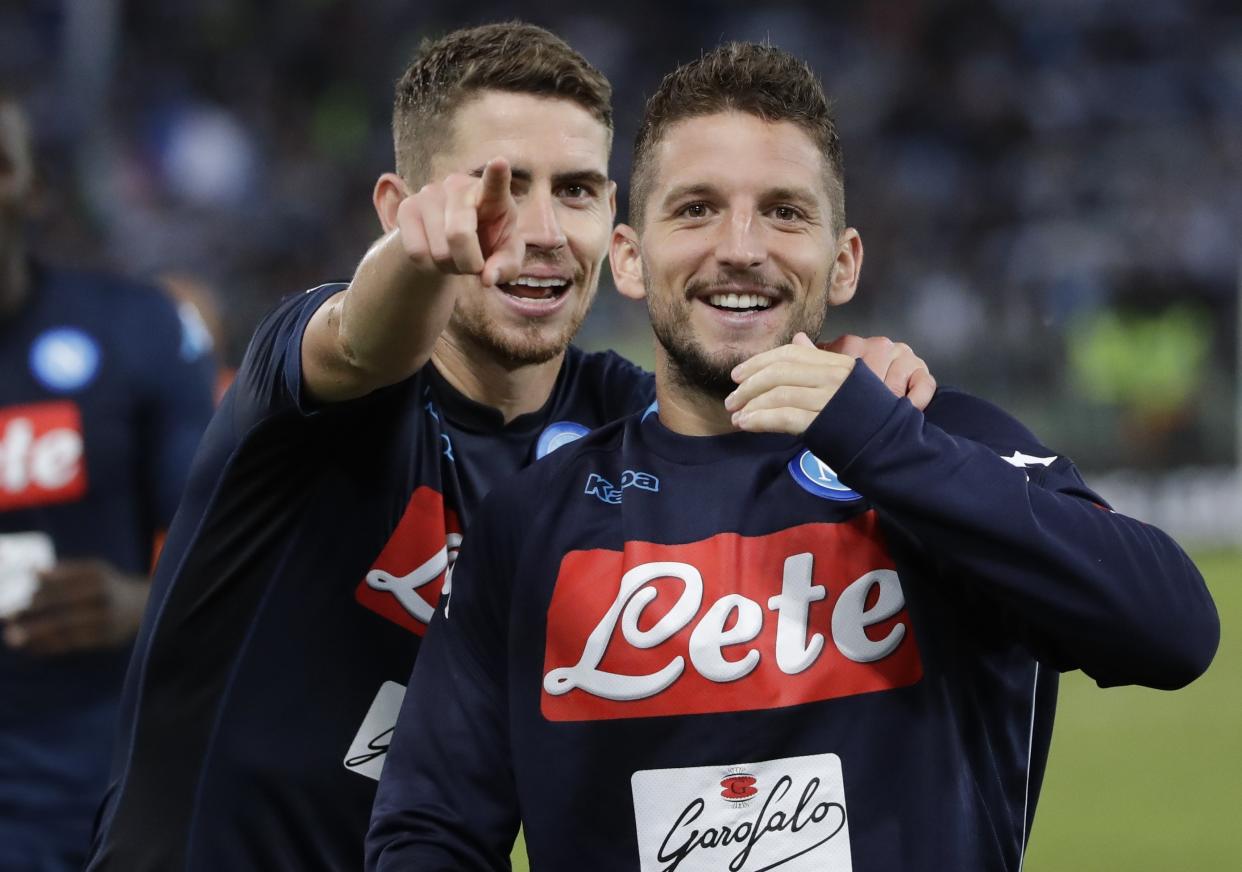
x,y
1200,506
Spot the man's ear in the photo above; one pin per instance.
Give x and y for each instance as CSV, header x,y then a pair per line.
x,y
846,268
626,260
390,190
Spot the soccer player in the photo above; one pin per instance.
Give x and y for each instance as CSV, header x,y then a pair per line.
x,y
104,394
787,621
362,430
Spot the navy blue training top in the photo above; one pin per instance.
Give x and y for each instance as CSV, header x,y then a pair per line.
x,y
295,586
835,653
104,393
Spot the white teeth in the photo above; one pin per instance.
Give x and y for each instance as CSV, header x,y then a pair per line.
x,y
532,282
740,301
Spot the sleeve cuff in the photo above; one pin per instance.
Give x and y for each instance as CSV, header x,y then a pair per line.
x,y
857,411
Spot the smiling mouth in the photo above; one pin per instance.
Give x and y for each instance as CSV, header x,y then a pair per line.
x,y
739,302
531,288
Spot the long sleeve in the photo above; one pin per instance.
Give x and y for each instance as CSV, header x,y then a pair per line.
x,y
1088,588
447,799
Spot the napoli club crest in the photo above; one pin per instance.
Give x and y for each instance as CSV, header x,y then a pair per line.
x,y
64,359
816,477
557,435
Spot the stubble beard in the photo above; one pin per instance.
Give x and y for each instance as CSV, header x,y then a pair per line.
x,y
693,366
689,363
514,347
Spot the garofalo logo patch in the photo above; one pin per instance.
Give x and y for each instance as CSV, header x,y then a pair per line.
x,y
779,814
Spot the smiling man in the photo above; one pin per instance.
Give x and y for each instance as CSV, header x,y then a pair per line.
x,y
788,621
329,496
365,425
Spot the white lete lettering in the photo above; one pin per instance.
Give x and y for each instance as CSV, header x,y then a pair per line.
x,y
632,597
850,620
710,636
793,652
405,587
49,462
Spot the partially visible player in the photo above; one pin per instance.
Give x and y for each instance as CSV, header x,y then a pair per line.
x,y
364,426
199,309
103,398
788,621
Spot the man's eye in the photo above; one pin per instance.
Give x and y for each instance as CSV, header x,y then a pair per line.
x,y
786,213
694,210
577,192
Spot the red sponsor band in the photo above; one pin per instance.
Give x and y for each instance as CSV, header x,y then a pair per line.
x,y
41,455
729,623
406,580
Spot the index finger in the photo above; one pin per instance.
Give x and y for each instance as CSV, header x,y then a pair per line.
x,y
494,192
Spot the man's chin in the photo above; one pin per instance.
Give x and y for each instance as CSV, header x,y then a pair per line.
x,y
514,347
712,376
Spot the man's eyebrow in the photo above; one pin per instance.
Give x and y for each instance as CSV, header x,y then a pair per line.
x,y
520,174
800,196
590,177
696,189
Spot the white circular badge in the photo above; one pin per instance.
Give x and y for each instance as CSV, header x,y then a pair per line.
x,y
64,359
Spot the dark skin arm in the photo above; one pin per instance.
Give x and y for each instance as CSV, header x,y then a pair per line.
x,y
80,605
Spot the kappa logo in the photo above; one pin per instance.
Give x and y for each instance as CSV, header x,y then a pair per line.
x,y
447,443
41,455
415,567
1024,461
603,489
728,623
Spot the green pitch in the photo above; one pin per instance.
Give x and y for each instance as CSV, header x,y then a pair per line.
x,y
1145,780
1140,779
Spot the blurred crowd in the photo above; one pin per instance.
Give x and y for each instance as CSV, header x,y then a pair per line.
x,y
1049,192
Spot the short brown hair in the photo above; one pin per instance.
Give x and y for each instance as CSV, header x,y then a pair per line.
x,y
511,56
761,80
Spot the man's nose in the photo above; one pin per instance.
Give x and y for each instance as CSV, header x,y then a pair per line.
x,y
538,223
740,244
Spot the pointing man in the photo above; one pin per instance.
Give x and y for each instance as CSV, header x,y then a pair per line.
x,y
365,425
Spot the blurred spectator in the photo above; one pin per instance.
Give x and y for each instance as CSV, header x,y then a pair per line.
x,y
103,397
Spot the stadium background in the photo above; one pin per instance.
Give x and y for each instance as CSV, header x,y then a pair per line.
x,y
1049,194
